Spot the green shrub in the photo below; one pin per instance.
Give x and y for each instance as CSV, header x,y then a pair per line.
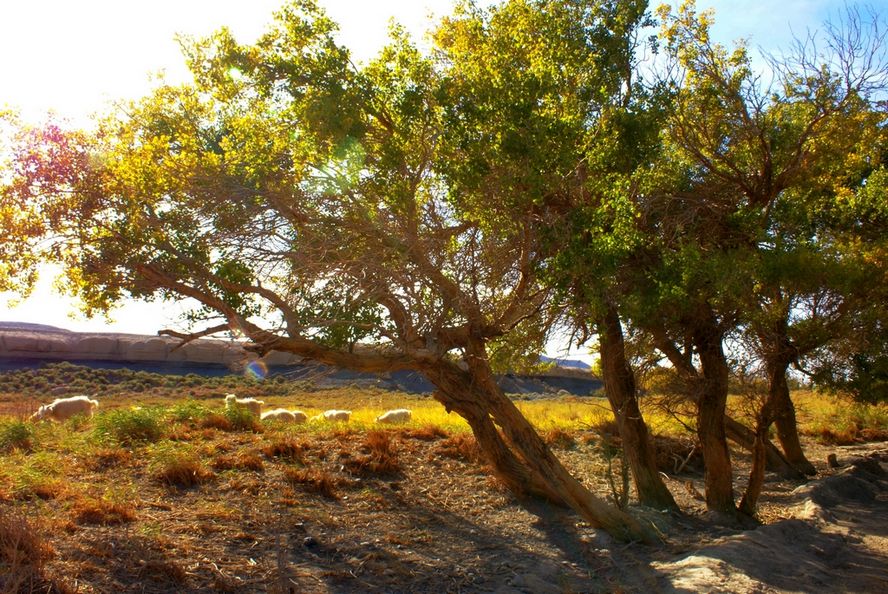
x,y
16,434
188,411
127,426
242,419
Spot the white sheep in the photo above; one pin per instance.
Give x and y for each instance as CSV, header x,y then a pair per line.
x,y
282,414
333,415
63,409
399,415
251,404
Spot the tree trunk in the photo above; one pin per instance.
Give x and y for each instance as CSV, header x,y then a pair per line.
x,y
478,387
619,385
756,475
711,406
762,426
785,418
510,469
746,438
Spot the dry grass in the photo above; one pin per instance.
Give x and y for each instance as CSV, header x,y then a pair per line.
x,y
313,480
461,446
286,449
378,457
426,433
242,461
105,458
559,438
24,553
102,513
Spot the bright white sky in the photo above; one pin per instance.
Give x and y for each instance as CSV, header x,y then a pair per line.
x,y
74,57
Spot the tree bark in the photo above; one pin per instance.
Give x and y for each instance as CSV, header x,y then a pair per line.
x,y
619,385
756,476
763,424
711,407
508,467
785,418
547,474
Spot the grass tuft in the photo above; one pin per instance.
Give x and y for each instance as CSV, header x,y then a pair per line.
x,y
179,467
128,426
16,435
102,512
379,458
313,481
461,446
243,461
188,411
242,419
216,421
23,556
286,449
105,458
559,438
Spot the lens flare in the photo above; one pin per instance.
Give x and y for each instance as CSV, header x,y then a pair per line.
x,y
256,370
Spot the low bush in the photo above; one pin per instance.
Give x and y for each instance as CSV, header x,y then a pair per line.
x,y
16,435
242,419
128,426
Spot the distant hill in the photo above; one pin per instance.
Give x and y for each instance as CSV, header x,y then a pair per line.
x,y
27,326
569,363
24,345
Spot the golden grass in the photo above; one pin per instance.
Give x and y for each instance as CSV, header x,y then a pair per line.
x,y
102,512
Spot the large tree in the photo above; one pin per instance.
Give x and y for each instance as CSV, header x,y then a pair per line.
x,y
547,131
755,178
319,208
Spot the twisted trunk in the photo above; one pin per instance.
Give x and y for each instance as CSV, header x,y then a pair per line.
x,y
711,407
525,459
785,418
773,407
619,384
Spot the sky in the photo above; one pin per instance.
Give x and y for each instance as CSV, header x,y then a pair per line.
x,y
76,57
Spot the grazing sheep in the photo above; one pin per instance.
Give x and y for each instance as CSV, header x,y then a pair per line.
x,y
282,414
251,404
63,409
333,415
399,415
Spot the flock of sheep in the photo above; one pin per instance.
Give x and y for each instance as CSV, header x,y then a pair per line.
x,y
63,409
